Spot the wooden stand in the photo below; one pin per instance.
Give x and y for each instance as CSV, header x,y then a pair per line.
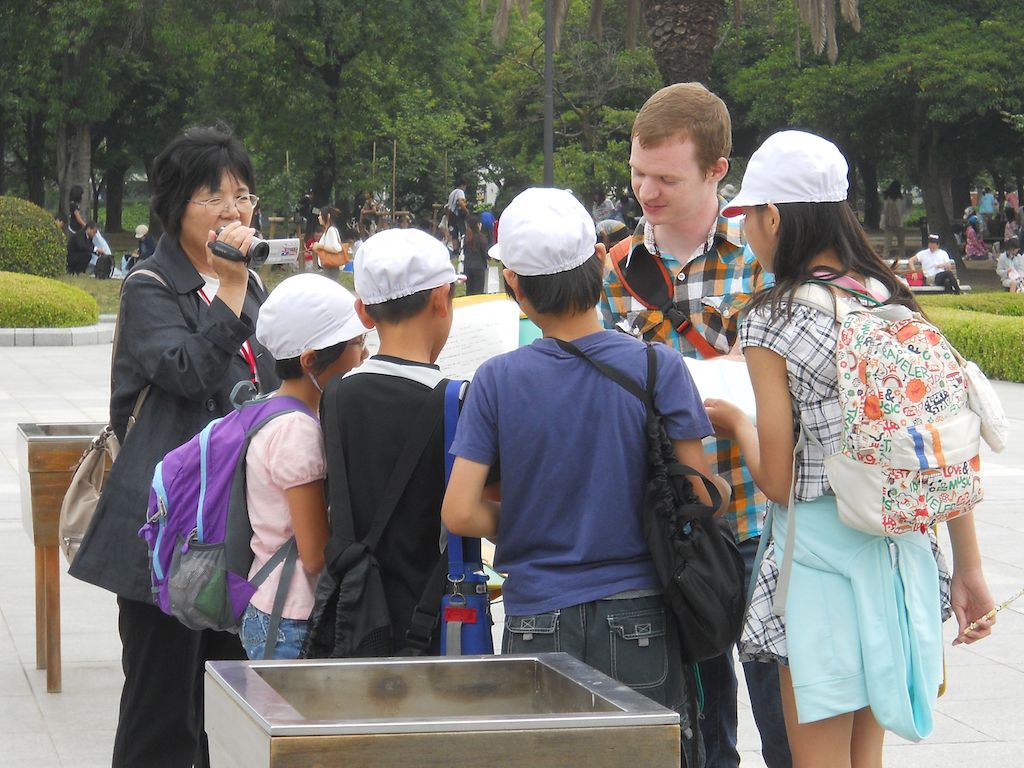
x,y
48,455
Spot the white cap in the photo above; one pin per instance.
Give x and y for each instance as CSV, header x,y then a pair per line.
x,y
141,231
544,231
307,312
400,262
792,167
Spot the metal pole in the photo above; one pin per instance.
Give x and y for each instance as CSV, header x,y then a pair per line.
x,y
394,180
549,102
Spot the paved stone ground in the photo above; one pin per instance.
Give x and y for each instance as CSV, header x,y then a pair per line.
x,y
978,720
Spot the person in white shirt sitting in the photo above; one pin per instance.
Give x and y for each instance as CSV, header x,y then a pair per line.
x,y
937,266
1010,266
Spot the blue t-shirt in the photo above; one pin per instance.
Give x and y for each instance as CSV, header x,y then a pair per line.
x,y
572,446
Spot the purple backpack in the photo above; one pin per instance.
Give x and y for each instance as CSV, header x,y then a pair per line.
x,y
197,527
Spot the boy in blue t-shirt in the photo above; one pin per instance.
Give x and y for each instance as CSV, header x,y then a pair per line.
x,y
572,447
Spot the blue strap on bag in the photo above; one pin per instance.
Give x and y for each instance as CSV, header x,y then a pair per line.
x,y
465,607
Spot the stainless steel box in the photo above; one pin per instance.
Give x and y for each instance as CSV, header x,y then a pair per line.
x,y
543,710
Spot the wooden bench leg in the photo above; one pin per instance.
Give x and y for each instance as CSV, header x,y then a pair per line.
x,y
40,608
53,670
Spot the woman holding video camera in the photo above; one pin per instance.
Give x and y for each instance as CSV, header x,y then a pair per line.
x,y
186,321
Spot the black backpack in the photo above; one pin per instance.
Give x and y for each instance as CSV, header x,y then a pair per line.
x,y
699,565
104,266
350,617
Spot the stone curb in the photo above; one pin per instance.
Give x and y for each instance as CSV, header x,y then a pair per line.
x,y
101,333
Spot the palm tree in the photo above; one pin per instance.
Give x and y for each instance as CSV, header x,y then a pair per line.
x,y
684,33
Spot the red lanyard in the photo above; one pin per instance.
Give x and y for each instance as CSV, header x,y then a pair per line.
x,y
246,349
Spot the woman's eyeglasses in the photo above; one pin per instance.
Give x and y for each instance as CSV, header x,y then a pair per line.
x,y
242,202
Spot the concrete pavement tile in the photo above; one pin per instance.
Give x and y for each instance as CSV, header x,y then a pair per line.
x,y
77,751
19,714
948,730
928,755
999,718
981,682
80,708
13,681
752,759
29,750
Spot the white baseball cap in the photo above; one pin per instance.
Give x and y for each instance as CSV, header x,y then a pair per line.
x,y
792,167
307,312
400,262
544,231
141,231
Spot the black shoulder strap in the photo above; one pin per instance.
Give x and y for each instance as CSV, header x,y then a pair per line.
x,y
646,395
342,524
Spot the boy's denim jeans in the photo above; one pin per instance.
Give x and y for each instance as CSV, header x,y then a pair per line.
x,y
291,634
627,639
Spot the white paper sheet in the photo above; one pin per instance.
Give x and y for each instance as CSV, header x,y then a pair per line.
x,y
724,378
479,331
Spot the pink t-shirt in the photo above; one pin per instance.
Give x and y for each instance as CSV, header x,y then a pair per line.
x,y
287,452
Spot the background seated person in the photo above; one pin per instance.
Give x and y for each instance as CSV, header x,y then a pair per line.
x,y
937,266
1010,266
81,249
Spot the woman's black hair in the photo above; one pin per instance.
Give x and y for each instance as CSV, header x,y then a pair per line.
x,y
474,237
322,358
331,215
808,229
75,194
198,158
893,191
575,291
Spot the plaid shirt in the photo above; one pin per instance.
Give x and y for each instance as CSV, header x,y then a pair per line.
x,y
713,284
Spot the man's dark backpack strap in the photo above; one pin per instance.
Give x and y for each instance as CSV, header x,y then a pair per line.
x,y
645,277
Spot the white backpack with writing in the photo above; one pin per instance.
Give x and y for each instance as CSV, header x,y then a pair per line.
x,y
910,441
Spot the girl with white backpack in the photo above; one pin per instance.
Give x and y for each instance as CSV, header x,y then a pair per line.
x,y
852,618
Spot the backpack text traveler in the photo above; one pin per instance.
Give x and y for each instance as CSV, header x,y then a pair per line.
x,y
910,440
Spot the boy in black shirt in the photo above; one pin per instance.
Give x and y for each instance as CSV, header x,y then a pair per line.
x,y
404,279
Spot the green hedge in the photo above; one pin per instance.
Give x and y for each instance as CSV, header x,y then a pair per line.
x,y
27,301
994,342
30,240
1009,304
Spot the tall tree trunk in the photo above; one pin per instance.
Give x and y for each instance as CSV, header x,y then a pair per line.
x,y
633,12
960,189
937,201
683,37
35,159
74,161
114,181
872,205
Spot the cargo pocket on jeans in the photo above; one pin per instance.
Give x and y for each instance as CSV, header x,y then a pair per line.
x,y
531,634
639,656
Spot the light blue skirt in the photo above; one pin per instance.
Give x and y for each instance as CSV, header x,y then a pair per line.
x,y
862,620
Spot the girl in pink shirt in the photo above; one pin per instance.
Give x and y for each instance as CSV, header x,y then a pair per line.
x,y
310,326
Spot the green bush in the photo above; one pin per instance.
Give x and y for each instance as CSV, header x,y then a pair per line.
x,y
27,301
30,241
994,342
1007,304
